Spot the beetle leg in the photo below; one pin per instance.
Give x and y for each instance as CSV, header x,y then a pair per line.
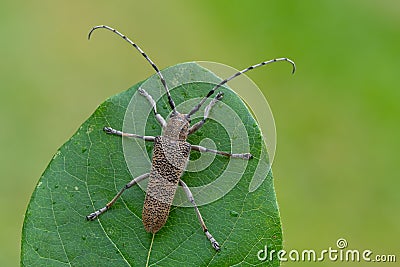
x,y
199,124
110,130
97,213
226,154
149,98
189,194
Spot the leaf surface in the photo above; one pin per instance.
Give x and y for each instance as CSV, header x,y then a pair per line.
x,y
91,167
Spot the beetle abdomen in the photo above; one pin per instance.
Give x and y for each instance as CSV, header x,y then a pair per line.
x,y
168,164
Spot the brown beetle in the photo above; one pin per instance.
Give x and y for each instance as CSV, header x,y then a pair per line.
x,y
171,152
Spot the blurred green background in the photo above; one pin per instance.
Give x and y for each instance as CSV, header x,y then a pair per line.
x,y
337,118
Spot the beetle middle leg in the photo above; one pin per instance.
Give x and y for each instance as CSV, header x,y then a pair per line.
x,y
226,154
110,130
189,195
97,213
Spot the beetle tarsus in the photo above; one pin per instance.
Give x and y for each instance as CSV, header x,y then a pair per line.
x,y
97,213
108,130
248,156
91,216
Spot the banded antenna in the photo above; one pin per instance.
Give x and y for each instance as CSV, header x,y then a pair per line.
x,y
197,107
170,100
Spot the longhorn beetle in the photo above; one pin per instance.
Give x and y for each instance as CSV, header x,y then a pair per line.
x,y
171,152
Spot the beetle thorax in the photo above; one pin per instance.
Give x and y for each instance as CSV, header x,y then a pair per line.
x,y
177,127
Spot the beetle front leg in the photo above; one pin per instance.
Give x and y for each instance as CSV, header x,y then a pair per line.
x,y
198,125
149,98
226,154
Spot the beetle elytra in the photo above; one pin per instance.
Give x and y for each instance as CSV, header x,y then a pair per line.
x,y
171,152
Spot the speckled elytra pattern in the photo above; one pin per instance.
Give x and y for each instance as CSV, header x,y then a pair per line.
x,y
168,164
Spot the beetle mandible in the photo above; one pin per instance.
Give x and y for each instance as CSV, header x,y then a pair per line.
x,y
171,152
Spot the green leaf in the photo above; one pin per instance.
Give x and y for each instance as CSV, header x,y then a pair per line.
x,y
91,167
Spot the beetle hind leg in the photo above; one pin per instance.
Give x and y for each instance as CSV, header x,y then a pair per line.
x,y
189,194
97,213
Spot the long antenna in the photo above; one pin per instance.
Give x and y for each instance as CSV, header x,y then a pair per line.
x,y
197,107
170,100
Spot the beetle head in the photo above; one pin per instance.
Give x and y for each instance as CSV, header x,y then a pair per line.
x,y
177,127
